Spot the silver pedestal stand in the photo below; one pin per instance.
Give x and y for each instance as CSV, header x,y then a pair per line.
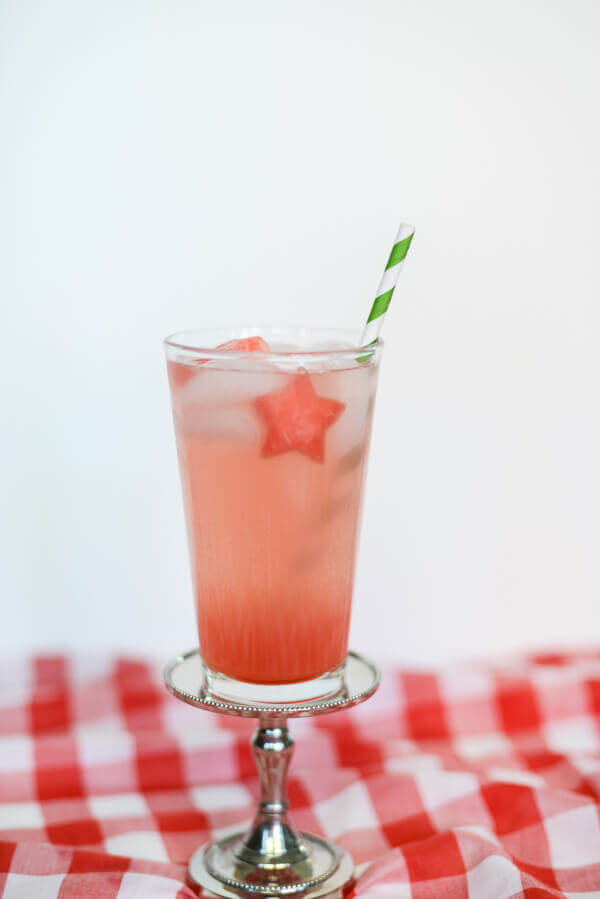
x,y
271,860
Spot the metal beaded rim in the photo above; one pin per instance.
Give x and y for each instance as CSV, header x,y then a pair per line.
x,y
290,710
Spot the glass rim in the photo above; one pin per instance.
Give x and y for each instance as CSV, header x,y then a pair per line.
x,y
179,342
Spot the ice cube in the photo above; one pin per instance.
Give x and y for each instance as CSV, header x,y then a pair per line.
x,y
217,401
217,383
356,388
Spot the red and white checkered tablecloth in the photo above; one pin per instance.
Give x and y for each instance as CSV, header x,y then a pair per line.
x,y
472,782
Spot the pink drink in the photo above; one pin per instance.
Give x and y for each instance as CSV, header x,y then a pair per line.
x,y
272,452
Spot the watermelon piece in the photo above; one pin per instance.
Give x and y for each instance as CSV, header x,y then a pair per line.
x,y
246,345
180,373
296,418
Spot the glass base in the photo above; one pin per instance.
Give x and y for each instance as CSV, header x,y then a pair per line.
x,y
326,686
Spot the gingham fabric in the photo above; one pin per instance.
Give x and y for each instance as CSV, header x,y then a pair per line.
x,y
473,782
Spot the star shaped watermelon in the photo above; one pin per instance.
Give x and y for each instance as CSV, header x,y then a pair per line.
x,y
296,418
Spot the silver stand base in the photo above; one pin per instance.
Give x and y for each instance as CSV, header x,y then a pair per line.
x,y
271,860
326,871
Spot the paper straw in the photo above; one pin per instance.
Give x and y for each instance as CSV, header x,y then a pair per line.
x,y
387,284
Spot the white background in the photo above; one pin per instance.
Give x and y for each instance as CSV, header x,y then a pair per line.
x,y
178,163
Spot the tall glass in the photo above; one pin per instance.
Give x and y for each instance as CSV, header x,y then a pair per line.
x,y
272,452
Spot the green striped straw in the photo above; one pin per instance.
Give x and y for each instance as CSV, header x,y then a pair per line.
x,y
387,284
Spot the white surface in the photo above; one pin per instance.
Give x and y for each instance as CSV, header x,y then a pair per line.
x,y
347,810
139,844
496,870
214,797
17,815
26,886
177,164
574,837
121,805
